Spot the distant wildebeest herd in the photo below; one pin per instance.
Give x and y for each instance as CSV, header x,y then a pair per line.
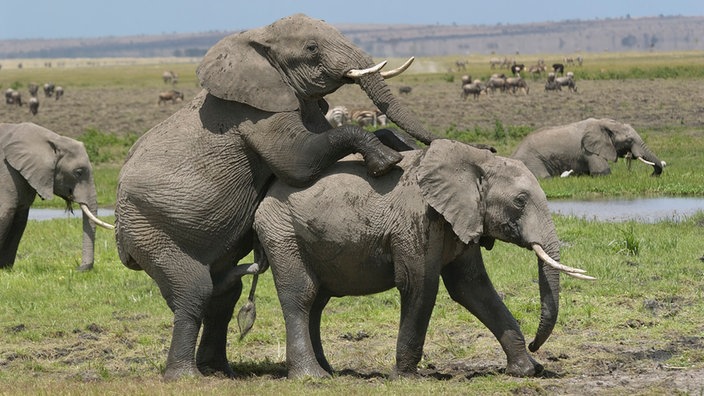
x,y
513,84
51,90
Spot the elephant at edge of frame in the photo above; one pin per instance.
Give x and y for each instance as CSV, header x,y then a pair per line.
x,y
189,187
35,160
583,148
350,235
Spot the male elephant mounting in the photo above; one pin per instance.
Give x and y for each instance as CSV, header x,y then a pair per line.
x,y
189,187
35,160
583,148
350,235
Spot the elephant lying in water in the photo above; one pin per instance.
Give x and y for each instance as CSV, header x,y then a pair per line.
x,y
349,234
583,148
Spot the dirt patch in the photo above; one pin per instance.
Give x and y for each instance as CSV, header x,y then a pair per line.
x,y
641,103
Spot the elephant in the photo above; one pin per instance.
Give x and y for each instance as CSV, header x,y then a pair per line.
x,y
35,160
349,234
189,187
583,148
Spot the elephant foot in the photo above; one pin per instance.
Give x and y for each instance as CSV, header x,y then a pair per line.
x,y
404,373
381,161
85,267
526,367
178,372
307,372
216,369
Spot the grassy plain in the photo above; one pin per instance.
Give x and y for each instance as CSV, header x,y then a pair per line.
x,y
637,329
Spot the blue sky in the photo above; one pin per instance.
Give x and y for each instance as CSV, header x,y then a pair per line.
x,y
22,19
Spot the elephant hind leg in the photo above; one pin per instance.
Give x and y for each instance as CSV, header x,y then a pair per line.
x,y
468,284
211,357
186,286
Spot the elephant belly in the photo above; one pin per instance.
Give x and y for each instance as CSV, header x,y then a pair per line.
x,y
353,272
190,188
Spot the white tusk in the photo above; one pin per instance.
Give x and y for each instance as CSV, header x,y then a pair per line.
x,y
95,220
356,73
646,162
574,272
397,71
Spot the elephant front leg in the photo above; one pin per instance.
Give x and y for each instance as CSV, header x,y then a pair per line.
x,y
468,284
297,294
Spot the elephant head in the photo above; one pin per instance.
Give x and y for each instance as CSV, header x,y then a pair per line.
x,y
52,164
294,61
610,139
486,197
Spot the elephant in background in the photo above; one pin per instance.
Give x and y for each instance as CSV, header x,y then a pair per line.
x,y
583,148
35,160
189,187
350,234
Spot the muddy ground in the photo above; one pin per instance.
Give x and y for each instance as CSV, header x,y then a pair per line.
x,y
636,366
641,103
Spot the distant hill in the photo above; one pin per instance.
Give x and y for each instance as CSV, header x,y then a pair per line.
x,y
662,33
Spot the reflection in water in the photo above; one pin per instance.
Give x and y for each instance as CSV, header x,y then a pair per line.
x,y
645,210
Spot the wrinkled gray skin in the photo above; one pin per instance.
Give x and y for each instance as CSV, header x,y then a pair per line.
x,y
350,235
189,187
586,147
35,160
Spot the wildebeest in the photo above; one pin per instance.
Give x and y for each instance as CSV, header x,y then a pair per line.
x,y
172,96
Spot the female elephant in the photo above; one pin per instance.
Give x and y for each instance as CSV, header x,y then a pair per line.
x,y
35,160
349,234
189,187
583,148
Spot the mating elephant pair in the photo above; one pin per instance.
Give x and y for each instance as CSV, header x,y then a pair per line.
x,y
189,188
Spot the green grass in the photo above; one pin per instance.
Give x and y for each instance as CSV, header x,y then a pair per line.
x,y
107,331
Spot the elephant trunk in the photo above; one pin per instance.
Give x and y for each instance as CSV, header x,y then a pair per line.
x,y
549,281
88,235
380,93
643,153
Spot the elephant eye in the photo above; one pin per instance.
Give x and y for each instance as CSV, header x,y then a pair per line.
x,y
520,200
312,47
78,172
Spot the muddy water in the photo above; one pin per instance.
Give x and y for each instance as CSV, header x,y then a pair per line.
x,y
647,210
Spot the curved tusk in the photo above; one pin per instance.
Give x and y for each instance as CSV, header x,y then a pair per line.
x,y
397,71
356,73
96,220
574,272
646,161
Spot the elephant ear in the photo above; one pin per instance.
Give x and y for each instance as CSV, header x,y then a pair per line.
x,y
29,149
238,69
597,140
450,179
